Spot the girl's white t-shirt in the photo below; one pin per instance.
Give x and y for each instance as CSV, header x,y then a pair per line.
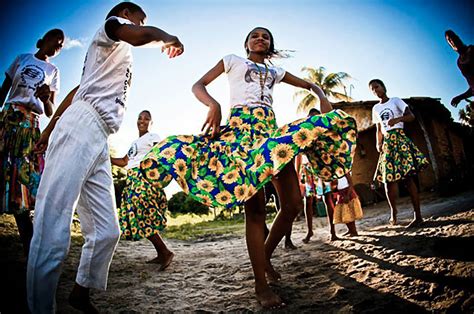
x,y
27,74
106,76
382,113
140,147
244,80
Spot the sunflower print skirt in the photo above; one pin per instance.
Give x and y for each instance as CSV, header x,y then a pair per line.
x,y
249,152
142,210
399,158
21,168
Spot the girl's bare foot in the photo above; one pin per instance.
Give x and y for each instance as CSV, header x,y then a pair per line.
x,y
268,299
415,223
393,221
165,260
308,237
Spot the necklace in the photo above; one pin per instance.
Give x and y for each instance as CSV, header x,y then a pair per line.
x,y
262,78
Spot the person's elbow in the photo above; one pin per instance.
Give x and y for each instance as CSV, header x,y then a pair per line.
x,y
197,87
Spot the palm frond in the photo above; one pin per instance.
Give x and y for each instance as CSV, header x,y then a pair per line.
x,y
300,93
330,83
308,102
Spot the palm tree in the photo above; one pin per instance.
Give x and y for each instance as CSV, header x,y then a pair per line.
x,y
328,83
466,115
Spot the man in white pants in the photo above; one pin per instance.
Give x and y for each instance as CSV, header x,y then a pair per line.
x,y
77,166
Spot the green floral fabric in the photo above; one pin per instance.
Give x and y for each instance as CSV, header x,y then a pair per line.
x,y
249,152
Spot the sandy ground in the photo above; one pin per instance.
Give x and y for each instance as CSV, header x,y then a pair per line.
x,y
385,268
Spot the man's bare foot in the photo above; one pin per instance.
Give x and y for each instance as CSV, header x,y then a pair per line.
x,y
415,223
393,221
308,237
79,299
268,299
289,245
272,275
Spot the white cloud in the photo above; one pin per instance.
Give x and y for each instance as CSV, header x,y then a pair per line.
x,y
70,43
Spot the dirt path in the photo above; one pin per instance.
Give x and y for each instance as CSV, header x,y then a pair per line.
x,y
388,269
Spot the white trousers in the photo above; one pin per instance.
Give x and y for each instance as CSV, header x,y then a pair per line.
x,y
78,175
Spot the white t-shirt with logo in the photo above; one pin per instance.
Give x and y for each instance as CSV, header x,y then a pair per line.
x,y
106,76
382,113
244,80
27,74
140,147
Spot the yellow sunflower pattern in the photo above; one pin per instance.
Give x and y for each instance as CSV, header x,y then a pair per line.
x,y
249,152
399,157
141,213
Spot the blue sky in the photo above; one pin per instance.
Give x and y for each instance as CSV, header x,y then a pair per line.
x,y
401,42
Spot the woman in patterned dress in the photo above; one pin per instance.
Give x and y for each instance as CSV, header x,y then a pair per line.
x,y
227,166
400,159
141,213
31,83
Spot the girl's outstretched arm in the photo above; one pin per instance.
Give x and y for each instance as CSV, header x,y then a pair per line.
x,y
296,81
213,120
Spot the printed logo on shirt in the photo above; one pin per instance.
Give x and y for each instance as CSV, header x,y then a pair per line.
x,y
386,115
253,75
31,77
127,83
132,152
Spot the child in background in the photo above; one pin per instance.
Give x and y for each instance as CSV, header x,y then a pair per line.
x,y
331,191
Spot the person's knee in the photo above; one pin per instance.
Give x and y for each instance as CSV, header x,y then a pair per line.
x,y
110,237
